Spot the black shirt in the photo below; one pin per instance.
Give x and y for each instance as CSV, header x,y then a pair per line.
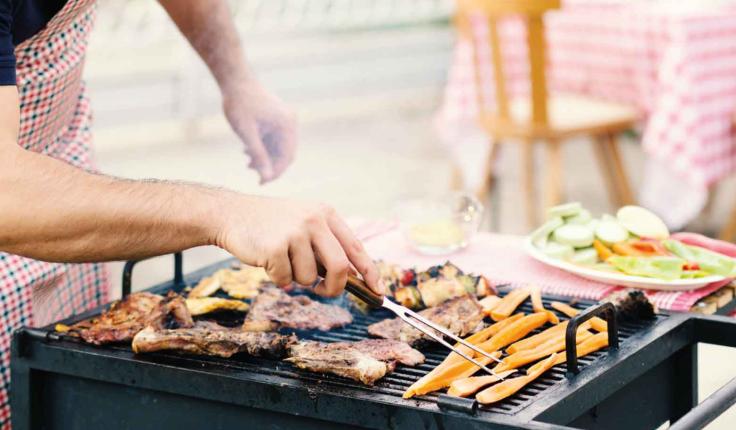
x,y
20,20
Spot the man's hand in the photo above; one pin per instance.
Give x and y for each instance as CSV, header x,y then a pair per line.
x,y
265,125
288,237
261,121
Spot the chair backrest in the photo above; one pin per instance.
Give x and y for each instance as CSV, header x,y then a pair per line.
x,y
531,11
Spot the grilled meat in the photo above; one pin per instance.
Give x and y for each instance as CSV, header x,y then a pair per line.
x,y
207,338
130,315
366,361
274,309
239,284
205,305
461,316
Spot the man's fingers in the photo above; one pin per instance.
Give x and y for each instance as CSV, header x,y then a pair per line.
x,y
335,261
260,159
303,263
279,268
287,149
356,254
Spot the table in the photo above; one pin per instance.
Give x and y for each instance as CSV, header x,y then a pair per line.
x,y
502,260
676,65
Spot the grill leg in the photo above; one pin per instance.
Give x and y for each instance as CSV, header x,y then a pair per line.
x,y
20,389
686,382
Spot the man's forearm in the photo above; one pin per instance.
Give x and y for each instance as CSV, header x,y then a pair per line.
x,y
209,27
52,211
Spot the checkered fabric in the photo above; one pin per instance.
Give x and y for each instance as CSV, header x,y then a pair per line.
x,y
54,120
678,67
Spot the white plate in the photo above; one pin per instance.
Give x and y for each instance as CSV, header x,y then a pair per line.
x,y
619,278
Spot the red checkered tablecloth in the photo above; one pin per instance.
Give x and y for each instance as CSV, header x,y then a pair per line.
x,y
502,260
678,67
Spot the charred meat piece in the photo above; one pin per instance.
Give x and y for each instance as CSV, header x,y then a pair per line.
x,y
461,316
210,339
274,309
130,315
366,361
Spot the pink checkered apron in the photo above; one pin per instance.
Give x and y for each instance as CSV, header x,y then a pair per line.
x,y
55,120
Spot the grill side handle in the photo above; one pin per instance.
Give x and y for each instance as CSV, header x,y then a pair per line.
x,y
130,264
605,310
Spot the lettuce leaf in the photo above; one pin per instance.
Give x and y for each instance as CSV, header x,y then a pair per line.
x,y
709,261
660,267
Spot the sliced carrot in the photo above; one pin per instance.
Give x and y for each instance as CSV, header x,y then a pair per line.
x,y
488,303
434,381
479,337
467,386
598,324
514,331
510,386
522,358
456,368
603,251
590,345
538,339
538,306
509,303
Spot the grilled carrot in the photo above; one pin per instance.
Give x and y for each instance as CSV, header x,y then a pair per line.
x,y
592,344
509,303
510,386
516,360
536,340
477,338
438,379
488,303
456,367
598,324
538,306
468,386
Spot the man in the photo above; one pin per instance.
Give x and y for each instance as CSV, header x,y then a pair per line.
x,y
56,216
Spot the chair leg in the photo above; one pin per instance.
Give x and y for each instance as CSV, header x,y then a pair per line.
x,y
604,164
527,182
626,197
728,232
457,179
553,183
488,179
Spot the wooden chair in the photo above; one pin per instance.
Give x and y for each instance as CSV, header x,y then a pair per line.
x,y
541,117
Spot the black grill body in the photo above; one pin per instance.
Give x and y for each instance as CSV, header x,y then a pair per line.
x,y
61,383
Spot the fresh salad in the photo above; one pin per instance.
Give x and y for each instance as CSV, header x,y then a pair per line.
x,y
634,242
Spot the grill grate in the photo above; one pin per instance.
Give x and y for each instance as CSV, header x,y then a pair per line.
x,y
395,383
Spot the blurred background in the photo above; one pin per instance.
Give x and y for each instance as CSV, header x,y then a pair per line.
x,y
369,82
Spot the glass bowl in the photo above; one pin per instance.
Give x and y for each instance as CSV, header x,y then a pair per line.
x,y
439,225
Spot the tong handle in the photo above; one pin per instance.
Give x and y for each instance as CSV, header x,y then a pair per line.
x,y
358,288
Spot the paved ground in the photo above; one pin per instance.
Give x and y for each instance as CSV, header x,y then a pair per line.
x,y
360,155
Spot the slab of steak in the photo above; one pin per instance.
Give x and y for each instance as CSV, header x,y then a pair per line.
x,y
132,314
461,316
207,338
274,309
366,361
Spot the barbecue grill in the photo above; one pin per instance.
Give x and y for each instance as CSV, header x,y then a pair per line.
x,y
651,378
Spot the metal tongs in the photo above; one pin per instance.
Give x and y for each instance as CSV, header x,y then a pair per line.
x,y
359,289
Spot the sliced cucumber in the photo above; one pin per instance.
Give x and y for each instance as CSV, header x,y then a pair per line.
x,y
610,232
578,236
608,217
642,222
582,218
541,235
585,257
593,224
568,209
558,250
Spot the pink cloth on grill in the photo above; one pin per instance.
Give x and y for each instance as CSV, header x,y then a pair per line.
x,y
678,67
